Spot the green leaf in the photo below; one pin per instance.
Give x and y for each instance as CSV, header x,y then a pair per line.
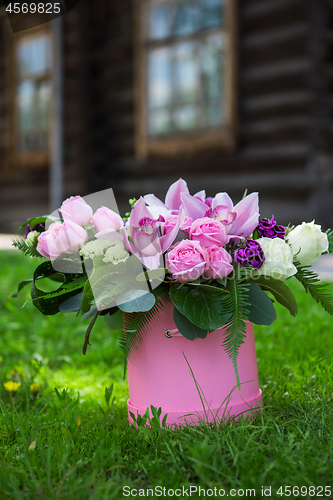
x,y
280,290
21,286
186,328
236,303
260,307
34,221
135,301
311,283
49,303
25,247
202,305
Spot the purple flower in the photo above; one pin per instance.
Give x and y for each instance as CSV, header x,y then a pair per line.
x,y
39,227
267,228
251,254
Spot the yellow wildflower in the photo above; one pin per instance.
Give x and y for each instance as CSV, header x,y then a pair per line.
x,y
11,386
34,388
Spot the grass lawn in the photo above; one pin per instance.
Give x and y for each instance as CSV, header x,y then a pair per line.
x,y
67,446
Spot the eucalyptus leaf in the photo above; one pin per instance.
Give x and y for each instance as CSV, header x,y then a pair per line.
x,y
71,304
135,301
151,275
260,307
202,305
89,314
187,328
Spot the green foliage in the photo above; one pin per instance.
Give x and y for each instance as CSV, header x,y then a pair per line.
x,y
49,303
279,290
313,285
260,308
187,328
48,452
203,305
25,247
329,233
236,303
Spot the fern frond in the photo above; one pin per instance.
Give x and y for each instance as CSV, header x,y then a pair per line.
x,y
136,324
235,303
329,234
25,247
312,285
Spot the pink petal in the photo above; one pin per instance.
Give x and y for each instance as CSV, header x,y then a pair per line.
x,y
173,199
222,199
247,211
166,240
139,211
201,195
194,208
151,199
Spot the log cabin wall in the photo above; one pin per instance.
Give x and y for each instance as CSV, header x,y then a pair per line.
x,y
284,139
24,190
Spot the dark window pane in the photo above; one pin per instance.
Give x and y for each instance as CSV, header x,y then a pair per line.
x,y
186,72
213,112
33,115
159,78
213,66
159,121
34,56
186,117
160,20
212,13
187,17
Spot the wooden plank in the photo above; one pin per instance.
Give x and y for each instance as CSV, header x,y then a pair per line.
x,y
281,69
268,8
274,36
278,126
278,101
293,150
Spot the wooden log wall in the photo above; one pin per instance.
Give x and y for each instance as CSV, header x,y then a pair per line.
x,y
278,104
24,191
285,101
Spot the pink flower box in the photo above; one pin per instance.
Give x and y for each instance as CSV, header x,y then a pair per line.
x,y
159,375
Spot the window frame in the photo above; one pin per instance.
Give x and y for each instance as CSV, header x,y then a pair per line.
x,y
16,158
185,143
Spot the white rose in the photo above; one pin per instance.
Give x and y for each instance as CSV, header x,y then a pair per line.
x,y
95,248
115,254
278,259
308,242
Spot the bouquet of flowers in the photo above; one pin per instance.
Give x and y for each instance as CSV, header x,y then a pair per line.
x,y
220,264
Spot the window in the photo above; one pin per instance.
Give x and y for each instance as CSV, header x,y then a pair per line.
x,y
186,75
31,88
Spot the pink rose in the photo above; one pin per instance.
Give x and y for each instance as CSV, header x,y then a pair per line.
x,y
172,221
187,260
75,209
219,263
61,239
107,220
208,232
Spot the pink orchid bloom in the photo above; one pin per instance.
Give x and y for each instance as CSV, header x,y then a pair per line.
x,y
172,199
239,220
148,241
